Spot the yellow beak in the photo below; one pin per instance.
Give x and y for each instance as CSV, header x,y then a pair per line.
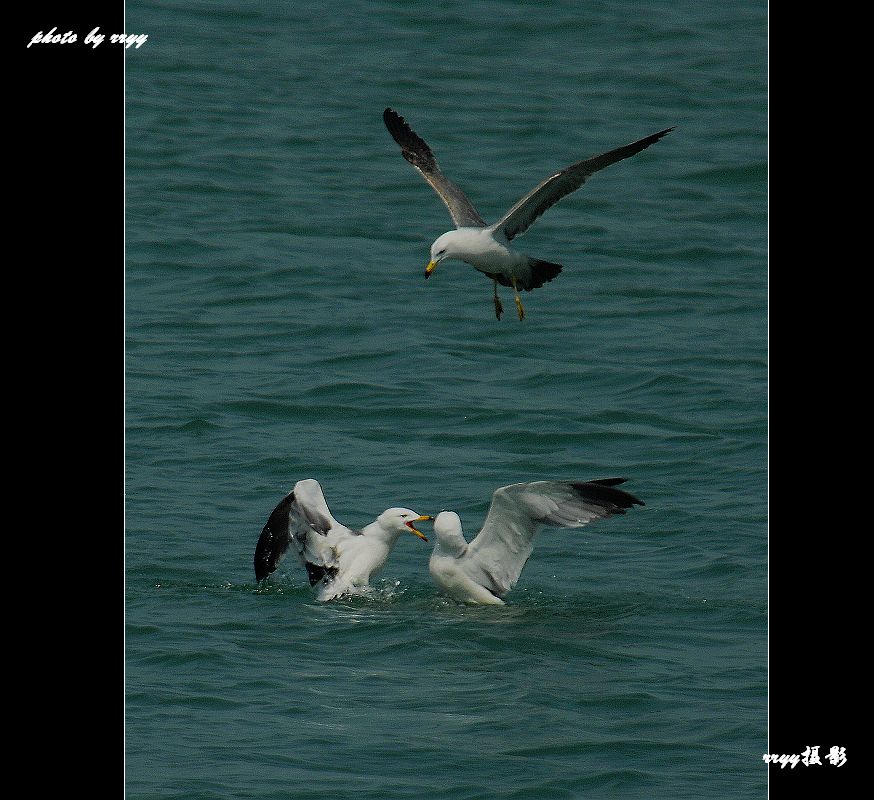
x,y
432,265
419,519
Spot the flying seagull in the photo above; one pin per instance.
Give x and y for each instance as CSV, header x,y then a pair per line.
x,y
486,569
337,559
486,247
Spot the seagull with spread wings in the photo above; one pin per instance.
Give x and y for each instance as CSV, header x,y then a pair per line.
x,y
337,559
488,567
487,247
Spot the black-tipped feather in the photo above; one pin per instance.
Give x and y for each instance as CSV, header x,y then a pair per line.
x,y
413,147
416,151
602,493
274,540
519,218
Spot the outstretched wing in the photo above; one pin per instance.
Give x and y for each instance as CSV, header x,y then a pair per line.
x,y
302,520
416,151
496,556
519,218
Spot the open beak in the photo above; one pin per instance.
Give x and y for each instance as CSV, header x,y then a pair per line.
x,y
419,519
431,266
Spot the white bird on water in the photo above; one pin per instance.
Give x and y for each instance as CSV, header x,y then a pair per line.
x,y
487,568
339,560
486,247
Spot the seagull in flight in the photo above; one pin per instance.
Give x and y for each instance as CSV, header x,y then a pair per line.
x,y
487,247
338,559
487,568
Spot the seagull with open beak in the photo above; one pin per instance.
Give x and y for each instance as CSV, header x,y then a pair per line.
x,y
338,560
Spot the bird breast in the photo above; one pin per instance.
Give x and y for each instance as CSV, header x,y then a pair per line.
x,y
480,249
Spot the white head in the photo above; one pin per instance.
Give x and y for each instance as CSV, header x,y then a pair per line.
x,y
401,520
447,528
445,246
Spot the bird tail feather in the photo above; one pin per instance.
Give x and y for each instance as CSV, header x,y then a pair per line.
x,y
541,272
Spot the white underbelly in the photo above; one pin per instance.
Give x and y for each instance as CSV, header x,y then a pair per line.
x,y
359,560
453,581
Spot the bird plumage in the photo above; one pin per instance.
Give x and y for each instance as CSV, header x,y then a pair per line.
x,y
338,559
487,569
491,253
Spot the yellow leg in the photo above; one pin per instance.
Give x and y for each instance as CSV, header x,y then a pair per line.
x,y
499,308
518,300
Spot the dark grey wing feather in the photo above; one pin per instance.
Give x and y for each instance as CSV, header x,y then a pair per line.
x,y
416,151
520,217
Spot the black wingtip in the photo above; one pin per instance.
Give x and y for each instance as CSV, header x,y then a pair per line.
x,y
413,147
397,126
395,123
274,540
603,492
609,481
642,144
655,137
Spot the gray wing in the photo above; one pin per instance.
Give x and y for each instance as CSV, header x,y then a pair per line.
x,y
496,556
301,519
416,151
520,217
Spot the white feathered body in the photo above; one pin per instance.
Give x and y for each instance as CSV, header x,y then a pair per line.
x,y
450,575
358,557
338,559
486,249
487,569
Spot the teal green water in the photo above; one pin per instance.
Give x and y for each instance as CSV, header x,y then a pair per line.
x,y
279,327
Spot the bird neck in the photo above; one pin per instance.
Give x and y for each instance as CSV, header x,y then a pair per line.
x,y
451,544
376,532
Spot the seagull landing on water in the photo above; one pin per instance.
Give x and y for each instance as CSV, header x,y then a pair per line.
x,y
486,569
338,559
486,247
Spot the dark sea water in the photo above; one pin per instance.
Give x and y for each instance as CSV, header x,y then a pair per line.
x,y
279,327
